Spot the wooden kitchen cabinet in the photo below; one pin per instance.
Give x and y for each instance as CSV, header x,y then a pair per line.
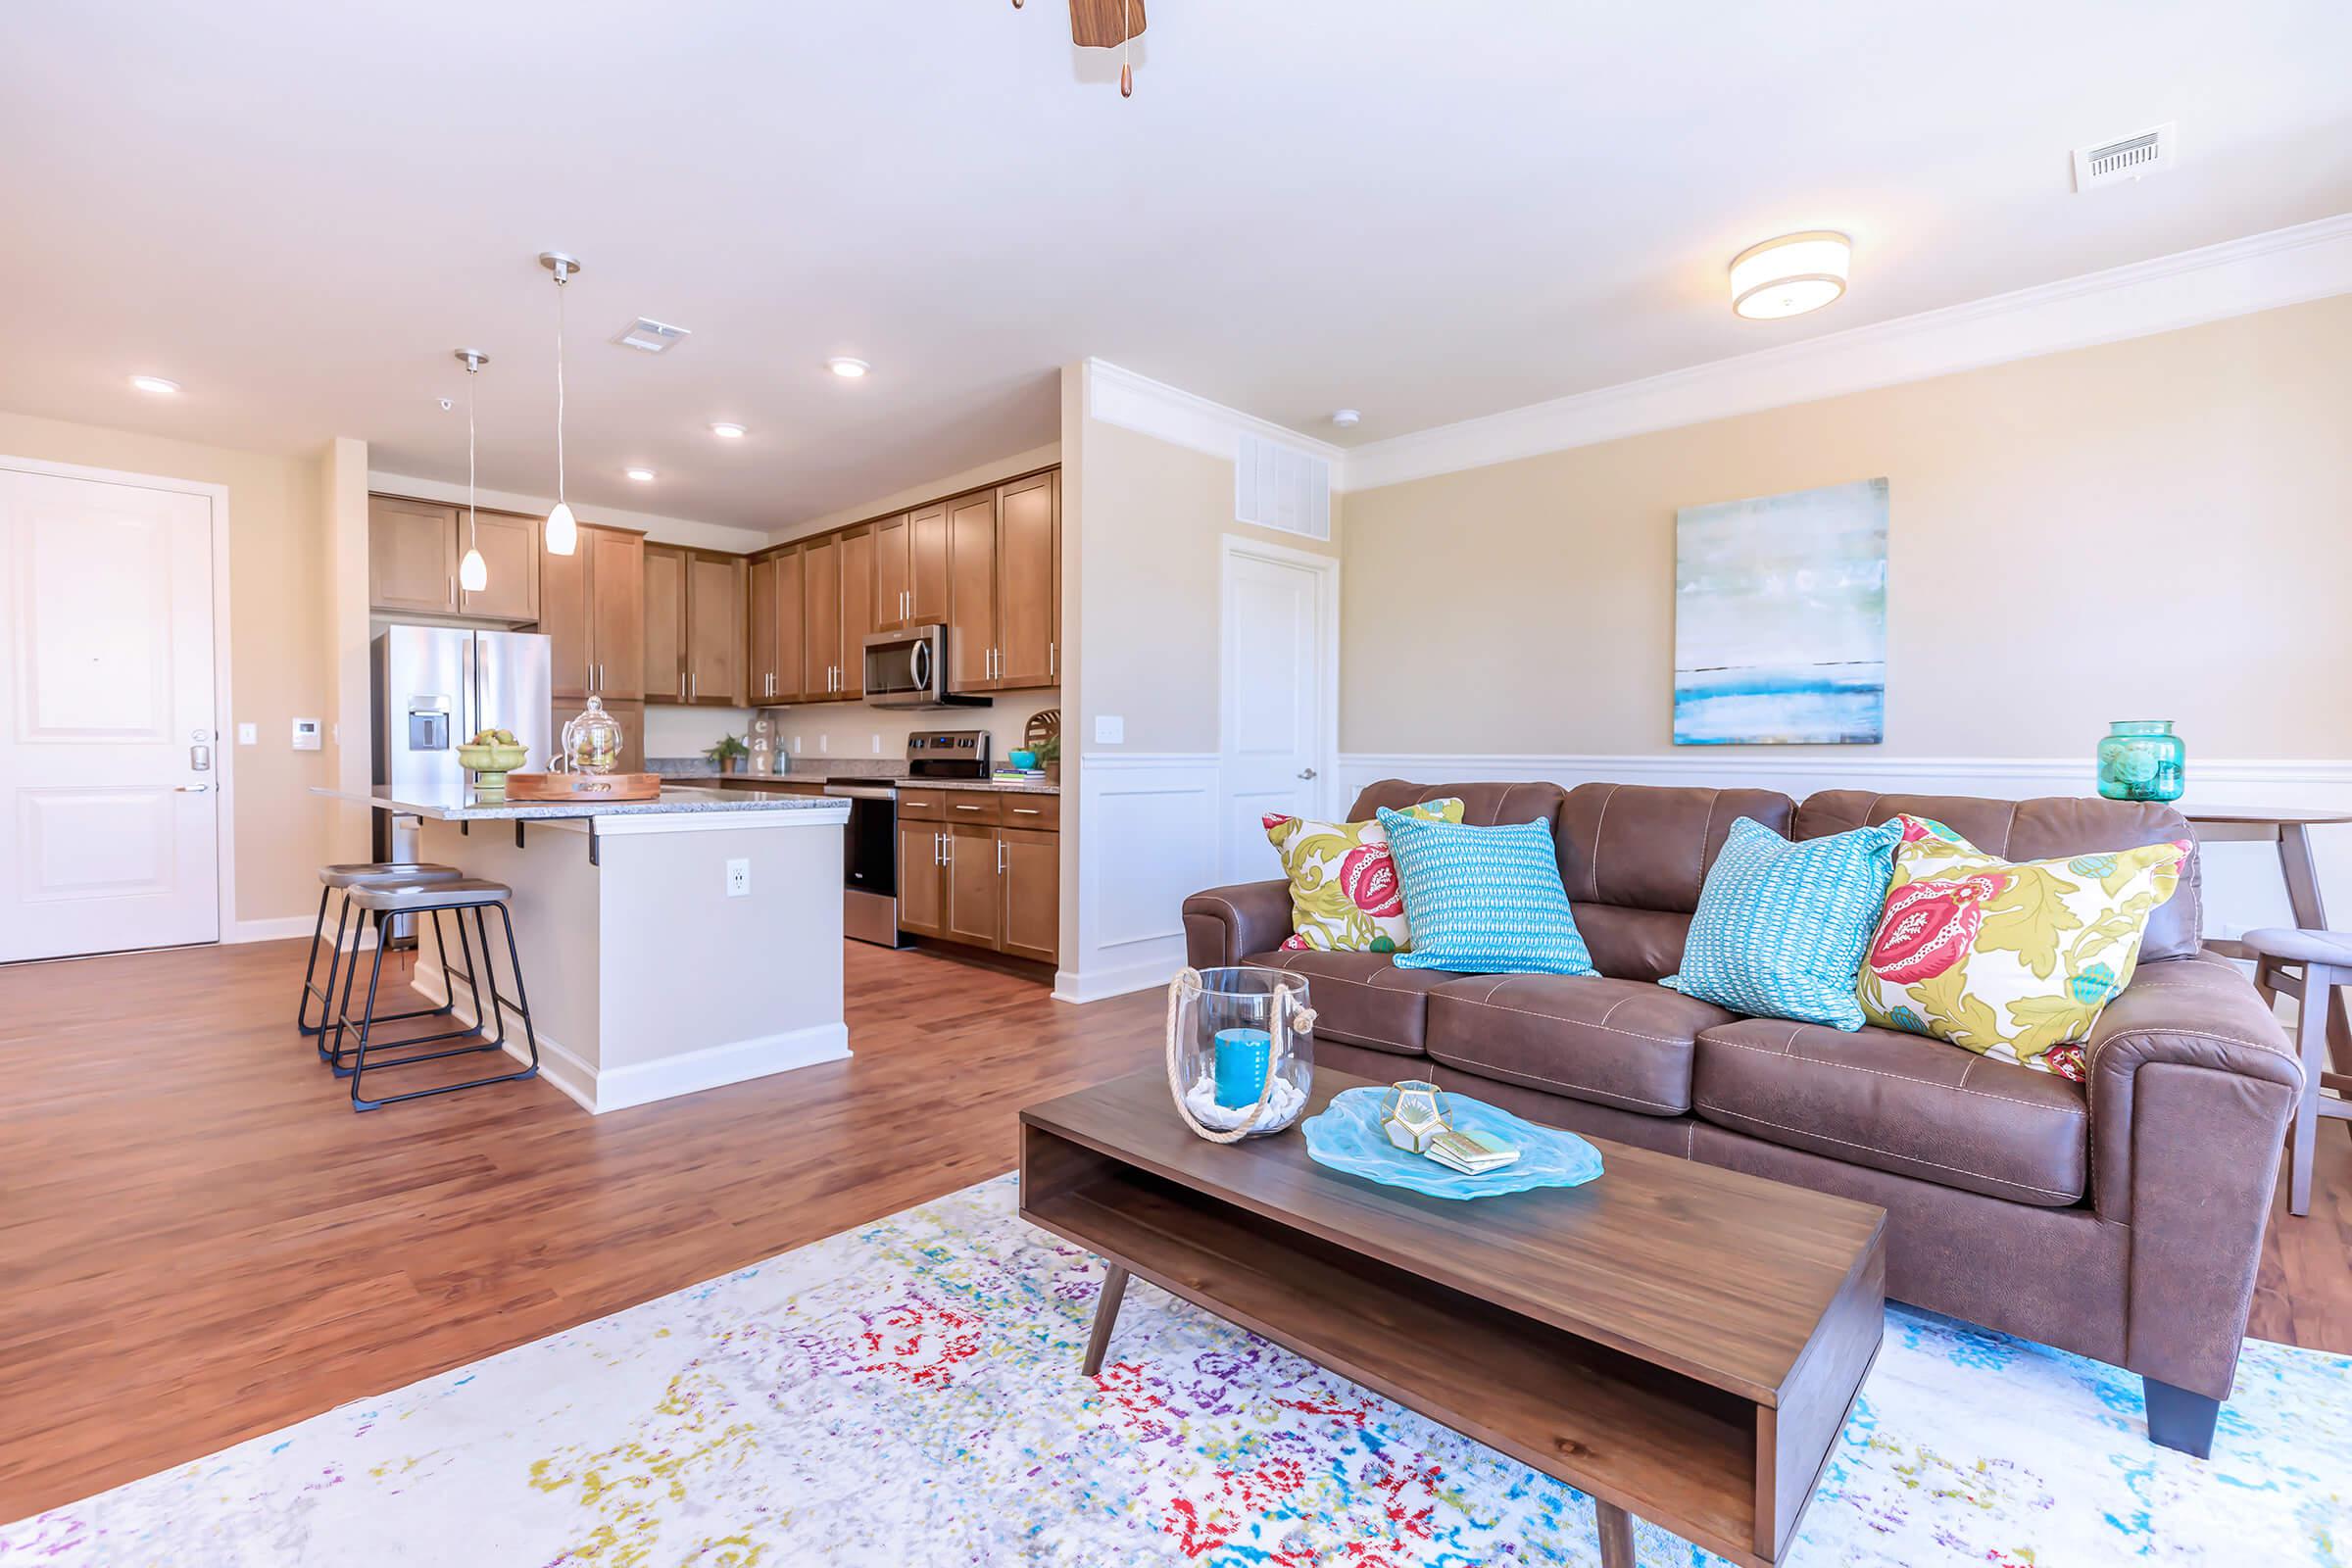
x,y
975,894
510,547
890,607
922,878
778,673
1029,920
411,555
592,609
1028,591
715,630
972,593
820,618
664,623
927,562
856,609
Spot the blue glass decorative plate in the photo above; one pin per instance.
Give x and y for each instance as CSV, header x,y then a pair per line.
x,y
1347,1137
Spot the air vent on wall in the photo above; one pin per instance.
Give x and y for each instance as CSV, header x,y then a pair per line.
x,y
652,336
2128,158
1275,486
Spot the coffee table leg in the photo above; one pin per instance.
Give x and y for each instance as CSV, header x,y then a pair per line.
x,y
1107,1312
1616,1534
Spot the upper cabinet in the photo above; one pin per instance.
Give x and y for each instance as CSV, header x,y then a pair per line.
x,y
891,585
696,648
857,604
411,555
510,547
821,616
664,623
1005,586
971,525
591,608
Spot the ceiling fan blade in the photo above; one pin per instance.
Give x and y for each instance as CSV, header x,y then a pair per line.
x,y
1105,23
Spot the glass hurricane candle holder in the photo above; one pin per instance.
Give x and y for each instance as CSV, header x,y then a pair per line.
x,y
1240,1051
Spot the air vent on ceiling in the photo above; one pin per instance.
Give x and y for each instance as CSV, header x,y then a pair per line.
x,y
1275,486
2129,158
652,336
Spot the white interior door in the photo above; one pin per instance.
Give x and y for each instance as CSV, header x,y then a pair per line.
x,y
1278,689
108,807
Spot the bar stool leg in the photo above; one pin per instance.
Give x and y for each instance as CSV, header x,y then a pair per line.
x,y
499,1004
302,1009
359,1060
2319,986
523,998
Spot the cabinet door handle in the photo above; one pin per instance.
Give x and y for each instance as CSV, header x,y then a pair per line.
x,y
940,841
1053,659
694,684
1000,856
681,685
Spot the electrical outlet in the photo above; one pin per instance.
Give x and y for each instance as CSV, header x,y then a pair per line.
x,y
739,879
796,746
877,746
824,745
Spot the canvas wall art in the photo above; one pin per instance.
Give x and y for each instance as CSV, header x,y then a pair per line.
x,y
1779,620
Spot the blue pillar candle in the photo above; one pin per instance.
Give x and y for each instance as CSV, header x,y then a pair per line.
x,y
1244,1058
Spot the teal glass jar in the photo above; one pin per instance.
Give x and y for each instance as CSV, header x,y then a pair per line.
x,y
2142,760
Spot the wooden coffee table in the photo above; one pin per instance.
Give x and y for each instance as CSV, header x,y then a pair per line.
x,y
1679,1341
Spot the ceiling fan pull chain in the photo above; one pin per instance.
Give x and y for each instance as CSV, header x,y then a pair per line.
x,y
1126,36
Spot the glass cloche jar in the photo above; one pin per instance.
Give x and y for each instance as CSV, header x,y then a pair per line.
x,y
591,743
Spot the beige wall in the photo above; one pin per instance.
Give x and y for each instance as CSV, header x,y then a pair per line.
x,y
2154,529
1155,514
280,638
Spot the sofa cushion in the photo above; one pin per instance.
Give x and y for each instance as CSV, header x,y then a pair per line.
x,y
1483,804
2053,827
1623,1043
1648,846
1362,997
1897,1103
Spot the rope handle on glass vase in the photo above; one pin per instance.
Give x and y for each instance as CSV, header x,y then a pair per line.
x,y
1290,1015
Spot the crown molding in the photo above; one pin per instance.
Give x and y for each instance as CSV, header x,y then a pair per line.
x,y
655,526
1118,396
2259,273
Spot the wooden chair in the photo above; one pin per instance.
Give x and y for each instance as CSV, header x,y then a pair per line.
x,y
2325,959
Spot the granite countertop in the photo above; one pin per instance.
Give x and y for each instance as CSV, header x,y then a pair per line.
x,y
463,805
1040,787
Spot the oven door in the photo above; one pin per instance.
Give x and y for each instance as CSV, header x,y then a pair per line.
x,y
869,856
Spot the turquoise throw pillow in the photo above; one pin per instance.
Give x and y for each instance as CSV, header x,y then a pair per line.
x,y
1782,928
1490,897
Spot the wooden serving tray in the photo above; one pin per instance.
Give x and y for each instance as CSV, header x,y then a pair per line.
x,y
563,787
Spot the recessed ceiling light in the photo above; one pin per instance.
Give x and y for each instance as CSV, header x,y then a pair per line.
x,y
725,431
1790,276
1344,417
155,384
641,475
848,369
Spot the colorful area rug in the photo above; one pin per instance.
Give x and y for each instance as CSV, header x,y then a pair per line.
x,y
907,1394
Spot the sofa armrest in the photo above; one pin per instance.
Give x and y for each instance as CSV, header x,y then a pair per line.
x,y
1225,925
2193,1082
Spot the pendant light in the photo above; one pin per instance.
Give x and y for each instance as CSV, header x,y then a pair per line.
x,y
562,531
473,572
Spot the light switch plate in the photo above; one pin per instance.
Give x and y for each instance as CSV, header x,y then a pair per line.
x,y
306,734
1110,729
877,746
249,734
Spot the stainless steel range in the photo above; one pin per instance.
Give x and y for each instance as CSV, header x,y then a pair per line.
x,y
870,848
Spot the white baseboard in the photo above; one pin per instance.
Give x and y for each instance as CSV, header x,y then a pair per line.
x,y
1100,984
600,1090
278,930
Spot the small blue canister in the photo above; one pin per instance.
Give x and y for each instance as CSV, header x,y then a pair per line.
x,y
1244,1058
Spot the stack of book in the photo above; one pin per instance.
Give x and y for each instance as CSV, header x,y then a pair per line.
x,y
1017,775
1471,1154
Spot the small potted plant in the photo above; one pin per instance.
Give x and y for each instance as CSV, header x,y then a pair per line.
x,y
1048,758
729,753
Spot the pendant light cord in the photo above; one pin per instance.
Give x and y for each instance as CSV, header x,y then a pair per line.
x,y
560,280
473,533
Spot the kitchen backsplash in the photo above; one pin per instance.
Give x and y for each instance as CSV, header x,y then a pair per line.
x,y
841,737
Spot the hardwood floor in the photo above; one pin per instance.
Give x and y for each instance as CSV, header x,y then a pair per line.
x,y
199,1242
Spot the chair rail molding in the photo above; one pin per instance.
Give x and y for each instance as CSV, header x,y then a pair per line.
x,y
1147,839
2236,277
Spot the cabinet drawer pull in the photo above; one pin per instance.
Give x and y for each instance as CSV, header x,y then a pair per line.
x,y
1027,810
961,807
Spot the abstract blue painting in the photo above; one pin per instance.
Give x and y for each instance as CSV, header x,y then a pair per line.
x,y
1779,620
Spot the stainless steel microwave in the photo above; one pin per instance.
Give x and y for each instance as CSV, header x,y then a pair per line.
x,y
909,668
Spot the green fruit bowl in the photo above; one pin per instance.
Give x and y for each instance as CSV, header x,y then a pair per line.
x,y
491,764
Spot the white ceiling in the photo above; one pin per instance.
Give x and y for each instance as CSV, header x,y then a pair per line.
x,y
1425,211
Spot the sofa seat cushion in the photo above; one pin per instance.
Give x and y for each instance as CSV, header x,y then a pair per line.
x,y
1899,1102
1623,1043
1362,997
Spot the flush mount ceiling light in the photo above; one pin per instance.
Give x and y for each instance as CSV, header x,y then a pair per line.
x,y
473,572
641,475
562,529
155,384
1790,276
1344,418
725,431
846,368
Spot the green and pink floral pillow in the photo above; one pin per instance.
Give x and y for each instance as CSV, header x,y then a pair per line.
x,y
2013,961
1345,896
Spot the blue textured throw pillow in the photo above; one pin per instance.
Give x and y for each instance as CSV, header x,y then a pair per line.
x,y
1490,897
1782,928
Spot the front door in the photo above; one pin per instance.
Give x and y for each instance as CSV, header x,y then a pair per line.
x,y
109,792
1277,693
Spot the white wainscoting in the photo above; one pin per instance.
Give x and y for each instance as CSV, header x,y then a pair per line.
x,y
1147,838
2243,888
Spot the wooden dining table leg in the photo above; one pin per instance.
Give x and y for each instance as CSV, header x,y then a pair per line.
x,y
2311,914
1616,1528
1107,1312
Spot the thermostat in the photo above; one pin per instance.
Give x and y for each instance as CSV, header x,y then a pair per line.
x,y
306,734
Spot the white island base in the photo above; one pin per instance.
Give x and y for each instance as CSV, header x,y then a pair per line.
x,y
647,978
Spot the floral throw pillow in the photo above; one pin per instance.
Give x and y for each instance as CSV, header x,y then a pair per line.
x,y
2013,961
1344,896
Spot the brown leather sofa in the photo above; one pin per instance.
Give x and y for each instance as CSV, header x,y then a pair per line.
x,y
2119,1219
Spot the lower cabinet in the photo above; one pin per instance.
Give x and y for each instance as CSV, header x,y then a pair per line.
x,y
976,882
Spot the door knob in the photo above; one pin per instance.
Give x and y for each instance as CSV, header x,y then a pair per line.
x,y
1306,773
200,758
191,789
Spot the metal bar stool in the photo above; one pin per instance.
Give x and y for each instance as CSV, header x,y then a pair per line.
x,y
333,879
2325,959
432,898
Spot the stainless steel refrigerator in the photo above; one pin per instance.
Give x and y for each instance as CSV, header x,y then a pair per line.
x,y
436,686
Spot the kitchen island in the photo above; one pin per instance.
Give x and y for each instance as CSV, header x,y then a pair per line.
x,y
669,945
